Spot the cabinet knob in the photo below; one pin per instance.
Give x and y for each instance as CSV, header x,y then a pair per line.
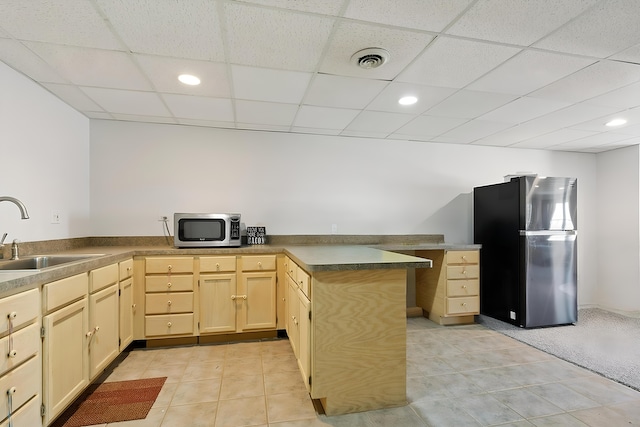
x,y
133,306
259,264
464,304
168,324
12,315
12,354
88,334
169,302
464,272
97,328
217,266
169,285
11,392
464,286
169,266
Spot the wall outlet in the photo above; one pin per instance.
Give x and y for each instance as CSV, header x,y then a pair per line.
x,y
163,218
55,217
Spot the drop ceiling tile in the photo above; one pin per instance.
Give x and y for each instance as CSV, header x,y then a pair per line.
x,y
364,134
261,84
325,7
629,55
92,67
127,102
265,113
428,96
470,104
177,28
553,138
277,39
199,107
529,70
163,73
571,115
28,63
607,28
430,15
69,22
350,37
625,97
343,92
455,63
597,79
592,141
263,127
598,125
428,126
472,131
324,117
522,110
376,122
510,136
316,131
72,96
519,22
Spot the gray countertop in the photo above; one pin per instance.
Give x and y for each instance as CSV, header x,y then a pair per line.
x,y
310,257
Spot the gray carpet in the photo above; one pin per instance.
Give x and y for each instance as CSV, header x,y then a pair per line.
x,y
601,341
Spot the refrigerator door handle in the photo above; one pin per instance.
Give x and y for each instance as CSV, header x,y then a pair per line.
x,y
548,233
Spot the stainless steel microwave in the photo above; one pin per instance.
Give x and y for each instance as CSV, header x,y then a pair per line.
x,y
205,230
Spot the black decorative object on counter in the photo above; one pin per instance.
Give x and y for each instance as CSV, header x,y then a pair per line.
x,y
256,235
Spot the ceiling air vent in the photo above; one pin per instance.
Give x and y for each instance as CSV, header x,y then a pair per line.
x,y
370,58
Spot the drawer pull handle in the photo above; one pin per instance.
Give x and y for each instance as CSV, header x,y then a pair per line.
x,y
169,302
168,324
234,297
12,354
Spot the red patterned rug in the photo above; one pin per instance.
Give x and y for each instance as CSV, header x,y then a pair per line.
x,y
111,402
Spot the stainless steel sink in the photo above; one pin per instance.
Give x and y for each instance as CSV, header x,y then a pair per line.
x,y
40,262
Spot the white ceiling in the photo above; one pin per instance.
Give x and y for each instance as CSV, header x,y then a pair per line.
x,y
542,74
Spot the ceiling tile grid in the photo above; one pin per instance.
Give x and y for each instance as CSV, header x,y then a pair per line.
x,y
537,74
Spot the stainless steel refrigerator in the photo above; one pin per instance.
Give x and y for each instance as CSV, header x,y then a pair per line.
x,y
528,229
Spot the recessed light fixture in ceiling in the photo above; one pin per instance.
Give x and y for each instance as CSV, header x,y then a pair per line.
x,y
369,58
189,79
408,100
615,122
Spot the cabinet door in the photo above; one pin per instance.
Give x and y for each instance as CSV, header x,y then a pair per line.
x,y
126,313
304,349
217,303
65,356
293,313
258,310
103,321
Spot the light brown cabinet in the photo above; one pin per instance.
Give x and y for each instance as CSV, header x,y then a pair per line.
x,y
449,292
299,317
104,308
126,303
169,296
218,286
65,345
20,363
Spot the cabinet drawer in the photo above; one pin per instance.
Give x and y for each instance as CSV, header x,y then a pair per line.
x,y
26,343
169,302
59,293
27,381
303,280
170,324
169,284
20,308
28,415
169,265
463,288
463,271
100,278
463,257
463,305
258,262
126,269
217,264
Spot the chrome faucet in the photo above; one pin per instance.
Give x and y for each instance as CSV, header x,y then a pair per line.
x,y
23,214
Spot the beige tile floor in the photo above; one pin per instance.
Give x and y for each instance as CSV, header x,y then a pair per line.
x,y
456,376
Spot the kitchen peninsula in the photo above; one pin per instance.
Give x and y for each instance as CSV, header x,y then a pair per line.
x,y
355,344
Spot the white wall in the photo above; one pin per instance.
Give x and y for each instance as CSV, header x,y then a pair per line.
x,y
301,184
44,148
619,230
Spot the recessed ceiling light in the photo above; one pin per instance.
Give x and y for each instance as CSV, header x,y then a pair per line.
x,y
616,122
407,100
189,79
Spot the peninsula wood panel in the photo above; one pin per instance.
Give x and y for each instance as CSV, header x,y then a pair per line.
x,y
358,356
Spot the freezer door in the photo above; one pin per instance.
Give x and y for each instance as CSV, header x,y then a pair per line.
x,y
550,279
550,203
